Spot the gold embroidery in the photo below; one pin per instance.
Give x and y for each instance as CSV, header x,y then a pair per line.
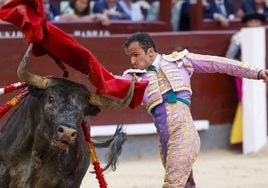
x,y
174,56
167,78
222,60
152,103
222,65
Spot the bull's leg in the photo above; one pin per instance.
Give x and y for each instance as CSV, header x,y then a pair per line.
x,y
35,163
39,146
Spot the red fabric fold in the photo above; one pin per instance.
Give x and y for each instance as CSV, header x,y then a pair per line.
x,y
28,15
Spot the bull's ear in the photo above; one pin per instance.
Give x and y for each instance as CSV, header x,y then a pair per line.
x,y
36,92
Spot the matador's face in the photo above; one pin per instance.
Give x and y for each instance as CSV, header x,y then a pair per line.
x,y
138,57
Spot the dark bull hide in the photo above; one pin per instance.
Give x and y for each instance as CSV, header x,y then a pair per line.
x,y
42,144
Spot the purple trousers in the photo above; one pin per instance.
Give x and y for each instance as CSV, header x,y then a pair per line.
x,y
179,143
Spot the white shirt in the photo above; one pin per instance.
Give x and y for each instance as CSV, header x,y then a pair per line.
x,y
134,11
156,62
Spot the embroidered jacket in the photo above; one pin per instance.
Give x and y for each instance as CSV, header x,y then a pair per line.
x,y
175,70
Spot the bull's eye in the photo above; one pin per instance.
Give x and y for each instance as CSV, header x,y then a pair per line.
x,y
50,99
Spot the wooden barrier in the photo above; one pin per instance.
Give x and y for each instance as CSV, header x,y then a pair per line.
x,y
93,29
214,96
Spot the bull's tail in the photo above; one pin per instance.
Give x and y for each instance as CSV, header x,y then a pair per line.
x,y
115,147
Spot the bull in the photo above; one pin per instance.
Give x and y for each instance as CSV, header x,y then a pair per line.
x,y
42,143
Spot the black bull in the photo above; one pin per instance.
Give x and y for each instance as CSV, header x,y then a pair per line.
x,y
42,144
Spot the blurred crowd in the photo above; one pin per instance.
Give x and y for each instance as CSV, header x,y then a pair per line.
x,y
104,11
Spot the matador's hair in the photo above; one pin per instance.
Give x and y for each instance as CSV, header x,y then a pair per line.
x,y
144,39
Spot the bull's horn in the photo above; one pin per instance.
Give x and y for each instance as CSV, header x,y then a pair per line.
x,y
29,78
105,102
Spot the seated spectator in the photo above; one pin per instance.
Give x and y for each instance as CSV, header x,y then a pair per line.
x,y
51,10
205,3
176,10
153,11
184,19
132,9
80,10
254,6
249,20
112,9
180,14
220,10
144,5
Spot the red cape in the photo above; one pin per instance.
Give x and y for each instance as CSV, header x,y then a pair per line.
x,y
28,15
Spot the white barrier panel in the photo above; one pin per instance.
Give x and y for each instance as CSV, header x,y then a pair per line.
x,y
139,129
254,92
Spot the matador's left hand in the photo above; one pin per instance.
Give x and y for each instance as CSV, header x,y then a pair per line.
x,y
263,75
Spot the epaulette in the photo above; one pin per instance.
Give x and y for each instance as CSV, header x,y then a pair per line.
x,y
174,56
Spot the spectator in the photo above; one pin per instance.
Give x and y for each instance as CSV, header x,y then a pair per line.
x,y
205,3
220,10
153,11
180,14
234,52
176,12
52,12
254,6
144,5
80,10
132,9
184,20
112,9
249,20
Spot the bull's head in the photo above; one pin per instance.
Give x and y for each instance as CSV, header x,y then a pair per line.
x,y
94,99
67,112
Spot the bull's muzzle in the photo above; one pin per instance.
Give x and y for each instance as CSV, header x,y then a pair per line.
x,y
64,136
